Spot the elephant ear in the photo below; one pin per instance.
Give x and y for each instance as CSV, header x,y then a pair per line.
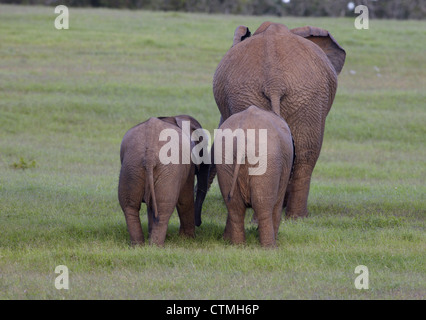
x,y
241,33
178,121
193,124
170,120
335,53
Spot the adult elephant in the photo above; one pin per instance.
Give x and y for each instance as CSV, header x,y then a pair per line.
x,y
292,72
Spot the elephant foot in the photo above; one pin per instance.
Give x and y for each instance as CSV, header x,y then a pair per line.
x,y
297,205
269,245
187,233
157,243
233,238
158,238
134,226
296,215
226,236
135,244
266,229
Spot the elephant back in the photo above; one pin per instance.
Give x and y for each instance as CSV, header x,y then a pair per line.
x,y
272,64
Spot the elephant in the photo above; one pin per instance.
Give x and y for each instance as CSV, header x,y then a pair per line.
x,y
145,177
294,74
243,185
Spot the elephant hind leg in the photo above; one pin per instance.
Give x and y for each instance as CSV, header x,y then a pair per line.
x,y
234,230
159,227
276,217
134,226
298,192
130,194
266,225
185,208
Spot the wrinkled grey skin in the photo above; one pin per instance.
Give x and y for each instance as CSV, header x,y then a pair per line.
x,y
264,192
143,178
291,72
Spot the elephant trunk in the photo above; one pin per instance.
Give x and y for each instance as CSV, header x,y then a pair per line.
x,y
202,185
201,195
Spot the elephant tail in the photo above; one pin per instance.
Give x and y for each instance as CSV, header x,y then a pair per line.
x,y
235,176
240,151
150,174
234,180
276,104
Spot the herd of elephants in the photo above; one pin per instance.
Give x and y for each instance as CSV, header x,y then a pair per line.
x,y
279,79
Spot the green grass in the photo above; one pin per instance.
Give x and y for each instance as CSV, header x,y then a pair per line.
x,y
67,98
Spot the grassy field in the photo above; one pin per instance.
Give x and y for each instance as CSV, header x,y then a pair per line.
x,y
68,96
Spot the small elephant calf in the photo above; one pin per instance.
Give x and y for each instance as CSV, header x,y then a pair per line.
x,y
144,178
244,185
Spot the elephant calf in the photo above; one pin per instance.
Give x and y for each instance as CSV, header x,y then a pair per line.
x,y
243,184
144,178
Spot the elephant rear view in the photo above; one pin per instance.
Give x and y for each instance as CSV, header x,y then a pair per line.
x,y
254,155
291,72
144,177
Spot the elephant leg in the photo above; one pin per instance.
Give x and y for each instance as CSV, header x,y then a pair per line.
x,y
134,226
185,208
130,194
234,230
266,224
307,151
276,217
298,192
150,214
227,232
159,227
